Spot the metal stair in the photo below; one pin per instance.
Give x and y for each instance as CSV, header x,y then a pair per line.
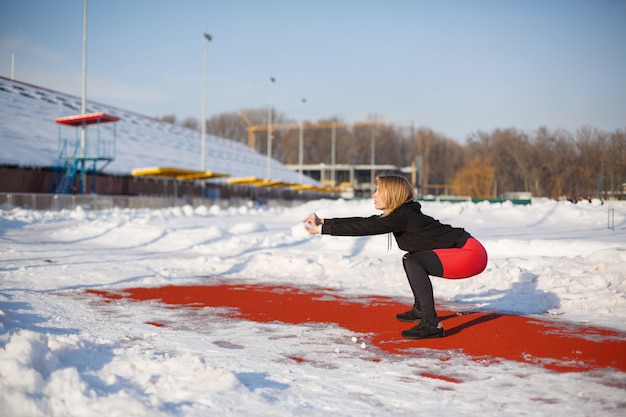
x,y
77,155
64,186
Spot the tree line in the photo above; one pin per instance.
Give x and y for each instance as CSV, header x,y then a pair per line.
x,y
551,163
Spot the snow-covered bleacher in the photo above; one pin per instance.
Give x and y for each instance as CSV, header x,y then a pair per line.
x,y
29,138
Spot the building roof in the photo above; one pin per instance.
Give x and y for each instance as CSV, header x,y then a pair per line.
x,y
86,119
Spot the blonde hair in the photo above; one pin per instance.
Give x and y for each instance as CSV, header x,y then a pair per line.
x,y
397,190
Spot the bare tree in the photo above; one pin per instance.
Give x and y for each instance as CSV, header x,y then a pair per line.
x,y
475,179
590,144
504,149
191,123
168,118
613,168
446,158
421,145
546,163
553,155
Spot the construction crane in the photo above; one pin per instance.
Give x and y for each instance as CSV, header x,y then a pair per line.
x,y
252,128
245,118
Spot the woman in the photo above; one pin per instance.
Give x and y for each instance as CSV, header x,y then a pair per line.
x,y
432,248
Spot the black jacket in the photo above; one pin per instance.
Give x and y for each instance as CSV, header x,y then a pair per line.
x,y
414,231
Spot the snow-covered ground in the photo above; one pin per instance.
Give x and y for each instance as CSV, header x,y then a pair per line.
x,y
64,352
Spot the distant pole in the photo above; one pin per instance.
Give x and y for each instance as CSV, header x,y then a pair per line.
x,y
373,162
83,106
333,152
301,143
268,171
208,38
12,66
84,100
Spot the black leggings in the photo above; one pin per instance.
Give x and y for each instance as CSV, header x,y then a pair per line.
x,y
418,266
453,263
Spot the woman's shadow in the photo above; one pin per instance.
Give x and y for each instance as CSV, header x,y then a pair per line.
x,y
521,299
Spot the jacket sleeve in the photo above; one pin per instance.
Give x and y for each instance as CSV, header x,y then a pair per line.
x,y
364,226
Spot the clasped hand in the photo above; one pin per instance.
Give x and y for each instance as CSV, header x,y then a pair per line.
x,y
313,224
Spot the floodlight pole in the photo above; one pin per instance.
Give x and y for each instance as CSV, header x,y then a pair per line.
x,y
268,171
83,107
333,152
301,142
373,161
84,98
208,38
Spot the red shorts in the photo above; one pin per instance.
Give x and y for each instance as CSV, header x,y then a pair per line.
x,y
464,262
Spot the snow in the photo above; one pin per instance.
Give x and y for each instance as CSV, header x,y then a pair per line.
x,y
64,352
30,137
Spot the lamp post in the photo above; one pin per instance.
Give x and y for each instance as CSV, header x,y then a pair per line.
x,y
268,171
301,143
208,38
333,152
373,161
83,104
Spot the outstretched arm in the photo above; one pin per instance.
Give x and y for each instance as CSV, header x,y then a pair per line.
x,y
355,226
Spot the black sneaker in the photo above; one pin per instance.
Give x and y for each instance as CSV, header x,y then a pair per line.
x,y
411,316
424,330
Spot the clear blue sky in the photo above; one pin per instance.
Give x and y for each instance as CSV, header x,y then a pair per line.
x,y
454,66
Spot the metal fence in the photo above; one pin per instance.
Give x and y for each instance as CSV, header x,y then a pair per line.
x,y
57,202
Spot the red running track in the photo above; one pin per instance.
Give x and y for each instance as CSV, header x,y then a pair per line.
x,y
554,345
